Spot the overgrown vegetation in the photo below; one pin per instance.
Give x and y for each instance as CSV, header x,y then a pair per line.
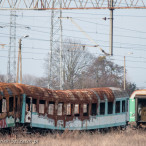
x,y
87,138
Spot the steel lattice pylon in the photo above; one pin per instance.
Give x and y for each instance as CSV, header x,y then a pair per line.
x,y
11,66
56,26
70,4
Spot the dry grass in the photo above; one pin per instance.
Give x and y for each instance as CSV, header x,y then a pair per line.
x,y
115,138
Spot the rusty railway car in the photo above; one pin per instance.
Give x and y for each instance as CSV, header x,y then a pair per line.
x,y
83,109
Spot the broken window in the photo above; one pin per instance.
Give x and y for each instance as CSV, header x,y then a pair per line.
x,y
94,109
117,106
59,109
123,106
4,105
0,105
68,109
16,103
34,103
102,108
77,110
85,109
42,106
11,104
51,108
110,107
28,104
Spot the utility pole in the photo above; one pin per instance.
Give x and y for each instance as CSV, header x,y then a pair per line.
x,y
54,37
124,73
11,65
111,27
61,69
19,61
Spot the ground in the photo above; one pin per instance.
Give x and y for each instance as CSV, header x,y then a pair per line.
x,y
129,137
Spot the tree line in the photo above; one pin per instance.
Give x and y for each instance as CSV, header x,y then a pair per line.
x,y
81,69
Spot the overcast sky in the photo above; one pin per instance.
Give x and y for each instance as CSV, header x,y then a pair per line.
x,y
129,36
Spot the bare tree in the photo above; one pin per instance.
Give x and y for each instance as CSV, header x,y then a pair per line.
x,y
35,81
3,78
76,59
103,73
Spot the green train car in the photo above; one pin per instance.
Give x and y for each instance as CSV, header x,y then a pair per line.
x,y
137,107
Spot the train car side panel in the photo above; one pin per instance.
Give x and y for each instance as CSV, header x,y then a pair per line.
x,y
23,109
132,110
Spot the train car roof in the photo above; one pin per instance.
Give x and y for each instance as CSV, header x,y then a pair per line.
x,y
110,93
8,90
138,93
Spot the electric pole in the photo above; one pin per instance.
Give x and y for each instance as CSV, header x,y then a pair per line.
x,y
111,27
124,73
61,69
56,27
11,65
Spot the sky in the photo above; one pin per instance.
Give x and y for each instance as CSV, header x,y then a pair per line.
x,y
129,38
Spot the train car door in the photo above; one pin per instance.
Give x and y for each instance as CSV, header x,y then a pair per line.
x,y
28,109
141,109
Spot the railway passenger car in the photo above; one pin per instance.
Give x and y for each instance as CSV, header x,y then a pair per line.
x,y
62,109
137,106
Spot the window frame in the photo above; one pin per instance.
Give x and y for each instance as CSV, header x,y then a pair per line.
x,y
117,101
103,102
11,105
111,108
79,106
53,110
85,114
44,106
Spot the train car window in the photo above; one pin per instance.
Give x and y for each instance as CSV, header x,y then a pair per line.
x,y
11,104
16,103
117,106
34,103
77,110
42,106
28,104
110,107
59,109
68,109
123,106
85,109
94,109
0,105
3,105
51,108
102,108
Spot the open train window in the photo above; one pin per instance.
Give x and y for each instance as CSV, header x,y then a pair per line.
x,y
85,109
16,103
77,110
42,106
3,105
51,108
68,109
28,104
0,105
11,104
117,106
110,107
59,109
102,108
123,106
94,109
34,103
